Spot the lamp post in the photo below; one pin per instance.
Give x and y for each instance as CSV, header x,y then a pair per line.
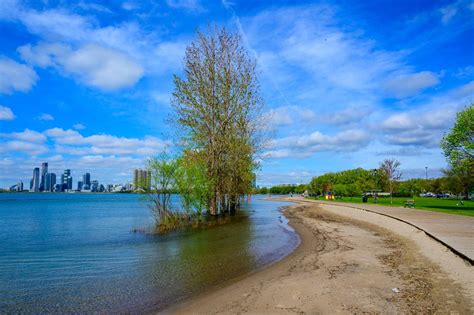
x,y
375,174
426,172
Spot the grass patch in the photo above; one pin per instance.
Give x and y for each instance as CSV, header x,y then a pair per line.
x,y
451,206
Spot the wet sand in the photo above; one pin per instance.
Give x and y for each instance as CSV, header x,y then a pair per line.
x,y
349,261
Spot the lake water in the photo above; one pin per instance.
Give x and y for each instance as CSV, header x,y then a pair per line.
x,y
65,253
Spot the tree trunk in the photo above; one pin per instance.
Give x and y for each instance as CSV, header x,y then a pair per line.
x,y
232,204
213,207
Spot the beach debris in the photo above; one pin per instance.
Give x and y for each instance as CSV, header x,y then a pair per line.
x,y
395,290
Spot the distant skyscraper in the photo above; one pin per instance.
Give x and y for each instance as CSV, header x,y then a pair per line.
x,y
58,188
141,179
17,187
49,182
95,186
35,180
79,185
66,180
44,171
86,180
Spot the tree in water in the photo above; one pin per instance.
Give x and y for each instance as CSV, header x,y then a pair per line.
x,y
163,183
218,114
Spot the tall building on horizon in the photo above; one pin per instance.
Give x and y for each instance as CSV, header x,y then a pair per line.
x,y
66,179
141,179
86,181
44,171
95,186
49,182
34,186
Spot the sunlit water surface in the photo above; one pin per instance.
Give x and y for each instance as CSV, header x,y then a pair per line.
x,y
64,253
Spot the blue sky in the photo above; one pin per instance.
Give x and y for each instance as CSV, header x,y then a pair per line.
x,y
86,85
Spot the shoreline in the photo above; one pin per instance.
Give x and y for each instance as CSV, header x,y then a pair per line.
x,y
374,263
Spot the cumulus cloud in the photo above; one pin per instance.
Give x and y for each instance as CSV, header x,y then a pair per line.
x,y
79,126
28,141
125,43
94,65
45,117
406,85
6,113
425,125
102,67
287,115
15,76
185,4
23,147
421,128
349,115
25,135
306,145
72,142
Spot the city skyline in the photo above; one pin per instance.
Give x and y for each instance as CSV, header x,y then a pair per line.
x,y
44,181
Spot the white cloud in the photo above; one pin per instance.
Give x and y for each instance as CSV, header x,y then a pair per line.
x,y
329,55
27,135
106,57
6,113
287,115
28,141
103,68
168,56
94,7
406,85
161,97
447,13
307,144
72,142
194,5
351,114
15,76
45,117
23,147
425,125
128,5
94,65
79,126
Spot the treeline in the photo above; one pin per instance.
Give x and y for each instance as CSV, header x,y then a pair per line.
x,y
217,114
281,190
353,183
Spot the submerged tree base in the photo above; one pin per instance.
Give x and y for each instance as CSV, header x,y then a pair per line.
x,y
194,221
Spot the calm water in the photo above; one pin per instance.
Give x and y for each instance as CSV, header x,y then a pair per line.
x,y
76,253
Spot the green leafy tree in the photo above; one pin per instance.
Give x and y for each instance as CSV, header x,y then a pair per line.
x,y
163,183
192,182
458,147
218,112
390,168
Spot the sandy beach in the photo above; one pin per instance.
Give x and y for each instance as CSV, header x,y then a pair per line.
x,y
349,261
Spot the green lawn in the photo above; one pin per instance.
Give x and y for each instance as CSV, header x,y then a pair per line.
x,y
433,204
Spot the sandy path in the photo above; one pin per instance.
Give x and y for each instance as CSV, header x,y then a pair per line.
x,y
349,261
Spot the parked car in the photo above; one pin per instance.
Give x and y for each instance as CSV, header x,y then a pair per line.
x,y
428,194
